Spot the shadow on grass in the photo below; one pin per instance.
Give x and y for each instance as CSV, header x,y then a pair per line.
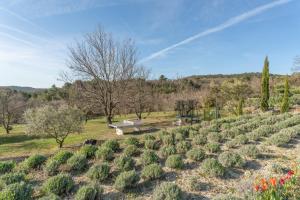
x,y
253,164
8,139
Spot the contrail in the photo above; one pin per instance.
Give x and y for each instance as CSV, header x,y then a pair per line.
x,y
24,19
231,22
16,39
22,32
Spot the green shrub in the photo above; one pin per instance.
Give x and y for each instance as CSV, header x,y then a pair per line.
x,y
183,146
126,180
240,140
149,137
88,151
51,167
167,191
124,163
105,154
214,137
33,162
62,156
59,184
50,197
131,150
212,167
99,172
283,137
193,133
152,144
174,162
12,177
88,192
77,162
213,147
132,141
200,139
196,154
152,171
165,151
168,139
6,166
231,159
179,136
229,133
230,144
149,157
249,151
112,144
16,191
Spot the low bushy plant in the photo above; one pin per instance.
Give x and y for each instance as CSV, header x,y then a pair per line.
x,y
62,156
12,177
17,191
279,139
213,147
212,167
88,151
214,137
200,139
174,162
149,157
168,139
131,150
51,167
152,144
6,166
165,151
126,180
112,144
132,141
178,136
152,171
33,162
124,163
231,159
250,151
99,172
59,184
89,192
196,154
77,162
167,191
193,133
183,146
105,154
240,140
149,137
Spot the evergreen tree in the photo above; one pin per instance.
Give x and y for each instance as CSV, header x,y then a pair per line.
x,y
265,90
285,100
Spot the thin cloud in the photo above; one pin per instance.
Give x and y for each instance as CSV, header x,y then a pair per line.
x,y
17,39
231,22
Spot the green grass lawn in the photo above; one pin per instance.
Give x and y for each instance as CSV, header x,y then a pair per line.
x,y
17,143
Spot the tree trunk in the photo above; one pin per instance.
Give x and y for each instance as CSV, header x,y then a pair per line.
x,y
108,120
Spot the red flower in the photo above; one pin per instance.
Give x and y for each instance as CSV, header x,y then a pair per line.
x,y
256,188
264,186
281,181
291,172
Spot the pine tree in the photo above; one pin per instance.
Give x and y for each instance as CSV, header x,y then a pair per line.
x,y
240,107
265,91
285,100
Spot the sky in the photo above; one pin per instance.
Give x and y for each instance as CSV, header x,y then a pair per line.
x,y
174,37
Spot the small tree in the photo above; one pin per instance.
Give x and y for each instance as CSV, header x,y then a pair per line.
x,y
285,100
12,105
265,90
55,122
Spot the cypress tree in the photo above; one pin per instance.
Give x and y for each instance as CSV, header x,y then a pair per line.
x,y
265,91
285,100
240,107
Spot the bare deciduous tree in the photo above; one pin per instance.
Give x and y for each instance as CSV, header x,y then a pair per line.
x,y
108,65
139,94
12,105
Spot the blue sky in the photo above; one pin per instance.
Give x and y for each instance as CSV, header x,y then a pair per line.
x,y
174,37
